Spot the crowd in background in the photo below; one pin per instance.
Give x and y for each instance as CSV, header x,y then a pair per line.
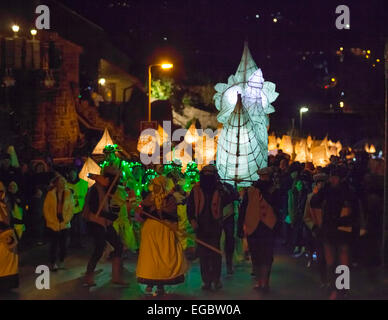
x,y
326,215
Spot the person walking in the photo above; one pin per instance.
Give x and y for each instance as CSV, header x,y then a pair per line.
x,y
79,189
58,212
257,220
204,211
313,220
100,213
336,203
161,258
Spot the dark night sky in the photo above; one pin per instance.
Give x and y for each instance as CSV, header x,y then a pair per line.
x,y
204,39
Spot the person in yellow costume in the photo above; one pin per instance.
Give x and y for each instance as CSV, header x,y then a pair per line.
x,y
58,212
122,225
161,259
17,210
9,259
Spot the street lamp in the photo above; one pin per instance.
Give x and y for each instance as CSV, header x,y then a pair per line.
x,y
164,66
15,29
33,32
301,111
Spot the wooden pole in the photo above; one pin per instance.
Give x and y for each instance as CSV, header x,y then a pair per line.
x,y
107,194
187,235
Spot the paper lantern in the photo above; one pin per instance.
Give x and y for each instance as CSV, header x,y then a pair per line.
x,y
147,143
162,136
339,147
205,150
151,139
89,167
191,135
286,145
104,141
301,151
319,156
244,103
272,143
181,154
309,142
370,149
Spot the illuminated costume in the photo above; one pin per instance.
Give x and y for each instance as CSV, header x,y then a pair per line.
x,y
161,259
16,210
9,259
79,189
123,226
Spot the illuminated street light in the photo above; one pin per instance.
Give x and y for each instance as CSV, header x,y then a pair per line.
x,y
102,81
33,33
15,29
377,60
342,49
164,66
275,20
342,104
301,111
332,79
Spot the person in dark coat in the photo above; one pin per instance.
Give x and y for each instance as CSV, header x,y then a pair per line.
x,y
337,204
204,211
256,221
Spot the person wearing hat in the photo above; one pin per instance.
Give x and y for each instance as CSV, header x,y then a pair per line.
x,y
100,213
313,220
205,213
79,189
335,202
161,258
256,221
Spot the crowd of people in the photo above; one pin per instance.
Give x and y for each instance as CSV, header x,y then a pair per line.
x,y
321,214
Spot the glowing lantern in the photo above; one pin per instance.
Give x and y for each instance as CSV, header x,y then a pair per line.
x,y
89,167
191,135
286,145
338,146
205,150
301,151
370,149
272,143
104,141
162,136
319,156
181,154
147,143
309,142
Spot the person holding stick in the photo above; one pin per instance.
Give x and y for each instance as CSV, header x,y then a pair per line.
x,y
204,211
161,258
100,213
